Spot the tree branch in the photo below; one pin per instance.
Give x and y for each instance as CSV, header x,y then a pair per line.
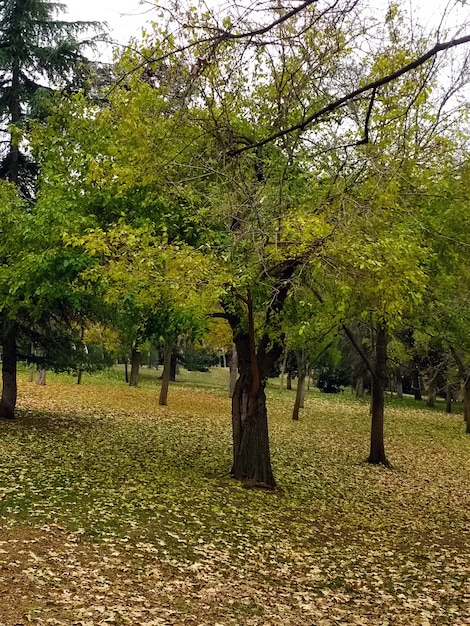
x,y
372,86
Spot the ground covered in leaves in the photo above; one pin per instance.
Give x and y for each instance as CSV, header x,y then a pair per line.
x,y
116,511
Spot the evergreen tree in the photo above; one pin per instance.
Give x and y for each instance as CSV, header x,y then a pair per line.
x,y
38,55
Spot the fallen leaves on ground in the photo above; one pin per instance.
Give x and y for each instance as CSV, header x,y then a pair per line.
x,y
117,511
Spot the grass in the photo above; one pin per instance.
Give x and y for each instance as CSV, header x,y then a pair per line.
x,y
115,510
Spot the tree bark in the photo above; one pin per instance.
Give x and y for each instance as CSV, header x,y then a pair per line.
x,y
379,381
166,375
135,364
173,364
448,398
9,382
289,381
251,455
233,365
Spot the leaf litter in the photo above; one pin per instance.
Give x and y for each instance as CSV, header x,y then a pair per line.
x,y
116,511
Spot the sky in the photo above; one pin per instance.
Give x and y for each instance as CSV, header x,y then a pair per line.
x,y
125,18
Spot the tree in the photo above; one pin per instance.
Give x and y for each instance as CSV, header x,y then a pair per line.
x,y
37,54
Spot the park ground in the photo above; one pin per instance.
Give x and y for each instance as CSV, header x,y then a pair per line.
x,y
114,510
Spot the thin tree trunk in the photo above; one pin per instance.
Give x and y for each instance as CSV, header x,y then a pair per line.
x,y
166,375
283,368
359,387
448,398
289,381
173,364
79,376
432,392
233,370
466,403
126,370
300,383
416,384
9,382
379,380
135,364
399,383
41,377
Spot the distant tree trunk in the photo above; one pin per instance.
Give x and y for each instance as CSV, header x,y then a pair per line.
x,y
432,393
283,368
166,375
135,364
41,376
399,383
448,398
304,387
466,403
126,370
464,372
289,381
9,383
378,371
379,380
233,365
79,376
300,355
416,386
173,364
359,387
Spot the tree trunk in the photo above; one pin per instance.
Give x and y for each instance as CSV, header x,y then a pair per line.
x,y
126,370
41,377
283,369
300,383
135,364
432,392
448,398
251,455
233,365
466,403
173,364
399,383
79,376
289,381
359,387
416,384
9,382
379,381
166,375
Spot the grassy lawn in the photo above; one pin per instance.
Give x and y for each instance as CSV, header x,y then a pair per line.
x,y
116,511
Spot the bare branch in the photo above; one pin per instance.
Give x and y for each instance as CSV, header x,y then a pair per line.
x,y
372,86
